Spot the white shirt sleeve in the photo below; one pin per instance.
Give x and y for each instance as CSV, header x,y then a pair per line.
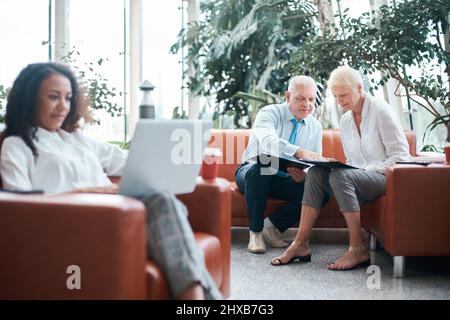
x,y
267,136
111,157
393,138
16,159
343,127
318,147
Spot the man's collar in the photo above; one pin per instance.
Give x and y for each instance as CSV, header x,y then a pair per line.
x,y
288,116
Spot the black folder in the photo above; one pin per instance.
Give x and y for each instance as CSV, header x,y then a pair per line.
x,y
282,163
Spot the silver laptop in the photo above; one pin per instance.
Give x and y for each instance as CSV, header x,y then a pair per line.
x,y
165,155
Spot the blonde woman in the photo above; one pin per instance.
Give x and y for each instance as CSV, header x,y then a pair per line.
x,y
373,139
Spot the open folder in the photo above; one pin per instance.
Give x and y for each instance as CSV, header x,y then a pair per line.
x,y
282,163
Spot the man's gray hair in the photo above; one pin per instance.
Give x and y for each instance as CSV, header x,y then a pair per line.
x,y
302,80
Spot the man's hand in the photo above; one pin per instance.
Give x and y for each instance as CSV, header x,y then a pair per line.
x,y
307,155
297,174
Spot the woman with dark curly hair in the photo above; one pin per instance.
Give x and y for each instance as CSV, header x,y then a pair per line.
x,y
22,102
45,150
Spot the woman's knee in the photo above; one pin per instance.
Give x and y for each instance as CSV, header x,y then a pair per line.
x,y
316,174
163,201
162,196
338,178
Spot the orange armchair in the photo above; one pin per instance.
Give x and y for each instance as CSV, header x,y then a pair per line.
x,y
41,236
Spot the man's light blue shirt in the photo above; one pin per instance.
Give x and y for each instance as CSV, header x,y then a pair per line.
x,y
272,129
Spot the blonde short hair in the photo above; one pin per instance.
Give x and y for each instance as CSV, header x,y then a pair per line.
x,y
302,80
344,76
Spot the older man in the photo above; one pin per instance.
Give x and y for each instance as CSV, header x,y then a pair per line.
x,y
286,129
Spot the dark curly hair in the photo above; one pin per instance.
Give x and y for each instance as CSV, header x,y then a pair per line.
x,y
21,113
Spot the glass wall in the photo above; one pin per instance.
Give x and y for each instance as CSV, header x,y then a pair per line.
x,y
162,21
97,33
420,117
23,32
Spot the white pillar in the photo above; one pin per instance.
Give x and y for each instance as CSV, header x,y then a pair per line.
x,y
62,18
194,100
135,61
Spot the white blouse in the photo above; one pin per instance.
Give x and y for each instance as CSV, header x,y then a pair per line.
x,y
382,141
65,161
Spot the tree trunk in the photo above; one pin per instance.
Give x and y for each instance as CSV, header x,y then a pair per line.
x,y
326,20
326,16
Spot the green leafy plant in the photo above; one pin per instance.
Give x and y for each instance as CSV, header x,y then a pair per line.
x,y
176,114
429,148
413,34
100,93
121,144
258,99
242,42
97,88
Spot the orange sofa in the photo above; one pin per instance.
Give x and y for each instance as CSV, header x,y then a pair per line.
x,y
41,236
410,219
232,143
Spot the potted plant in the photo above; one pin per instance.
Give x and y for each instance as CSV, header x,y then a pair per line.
x,y
241,43
258,99
97,88
410,34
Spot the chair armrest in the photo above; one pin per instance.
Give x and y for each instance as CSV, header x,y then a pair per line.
x,y
42,235
209,209
209,206
416,219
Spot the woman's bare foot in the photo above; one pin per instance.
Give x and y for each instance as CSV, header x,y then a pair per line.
x,y
296,251
354,257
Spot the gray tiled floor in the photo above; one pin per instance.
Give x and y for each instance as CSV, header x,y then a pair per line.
x,y
252,276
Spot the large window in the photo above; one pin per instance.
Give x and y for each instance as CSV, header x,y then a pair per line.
x,y
417,117
24,26
97,32
162,21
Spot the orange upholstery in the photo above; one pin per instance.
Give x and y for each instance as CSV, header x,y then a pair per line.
x,y
232,143
413,218
41,236
158,288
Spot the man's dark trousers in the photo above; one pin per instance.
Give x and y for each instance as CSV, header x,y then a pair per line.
x,y
257,188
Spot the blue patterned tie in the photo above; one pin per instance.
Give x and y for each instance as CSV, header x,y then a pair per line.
x,y
292,140
293,136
